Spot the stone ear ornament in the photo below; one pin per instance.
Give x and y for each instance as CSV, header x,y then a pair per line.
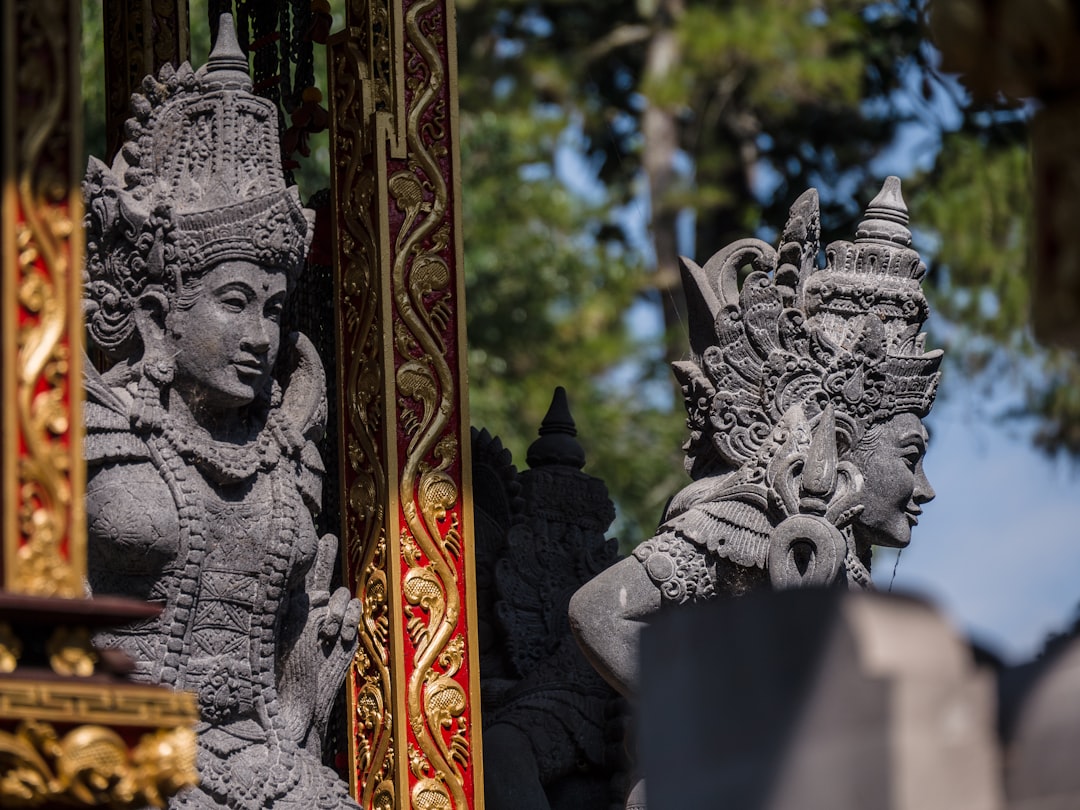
x,y
816,496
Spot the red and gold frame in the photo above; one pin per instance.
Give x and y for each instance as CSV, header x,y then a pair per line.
x,y
71,733
414,702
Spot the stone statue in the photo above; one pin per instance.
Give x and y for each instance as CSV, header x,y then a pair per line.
x,y
203,473
552,727
805,396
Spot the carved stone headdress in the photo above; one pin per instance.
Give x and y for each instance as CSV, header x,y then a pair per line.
x,y
197,182
794,334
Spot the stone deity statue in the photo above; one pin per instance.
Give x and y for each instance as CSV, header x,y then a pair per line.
x,y
805,397
203,472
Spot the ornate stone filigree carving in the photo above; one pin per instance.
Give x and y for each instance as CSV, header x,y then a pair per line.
x,y
205,475
550,723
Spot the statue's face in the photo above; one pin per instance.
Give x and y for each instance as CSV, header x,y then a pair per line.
x,y
226,343
894,484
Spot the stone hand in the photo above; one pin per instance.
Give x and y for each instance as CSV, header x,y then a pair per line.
x,y
341,620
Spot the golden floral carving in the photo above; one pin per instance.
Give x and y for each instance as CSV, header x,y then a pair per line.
x,y
91,766
10,648
71,653
44,529
399,322
365,486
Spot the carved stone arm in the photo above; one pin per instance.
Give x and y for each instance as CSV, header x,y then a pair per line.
x,y
321,645
606,616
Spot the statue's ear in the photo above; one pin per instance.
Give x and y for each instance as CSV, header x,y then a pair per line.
x,y
150,313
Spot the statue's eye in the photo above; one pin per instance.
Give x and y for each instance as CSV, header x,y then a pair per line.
x,y
274,310
233,301
912,456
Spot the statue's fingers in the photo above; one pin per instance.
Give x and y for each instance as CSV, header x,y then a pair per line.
x,y
350,622
335,611
323,568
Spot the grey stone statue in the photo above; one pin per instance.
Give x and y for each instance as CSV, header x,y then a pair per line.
x,y
804,395
203,474
552,727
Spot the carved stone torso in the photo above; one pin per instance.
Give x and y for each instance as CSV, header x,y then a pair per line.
x,y
228,563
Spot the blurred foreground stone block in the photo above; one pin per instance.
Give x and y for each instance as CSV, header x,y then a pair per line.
x,y
809,699
1041,704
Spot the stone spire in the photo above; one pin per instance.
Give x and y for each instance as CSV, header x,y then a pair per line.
x,y
557,443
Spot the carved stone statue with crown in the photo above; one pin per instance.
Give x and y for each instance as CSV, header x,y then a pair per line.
x,y
203,472
804,395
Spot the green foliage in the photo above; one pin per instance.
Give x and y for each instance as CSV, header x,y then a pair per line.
x,y
546,305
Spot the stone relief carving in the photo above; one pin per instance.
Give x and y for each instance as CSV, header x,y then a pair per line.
x,y
804,396
203,472
552,727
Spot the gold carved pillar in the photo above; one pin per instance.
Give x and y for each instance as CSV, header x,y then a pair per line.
x,y
73,731
140,37
44,531
407,530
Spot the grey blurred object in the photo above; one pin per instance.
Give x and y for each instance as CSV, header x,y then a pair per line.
x,y
1041,728
816,699
552,727
203,472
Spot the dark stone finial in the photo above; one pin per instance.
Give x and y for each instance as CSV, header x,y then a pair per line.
x,y
886,217
227,67
557,443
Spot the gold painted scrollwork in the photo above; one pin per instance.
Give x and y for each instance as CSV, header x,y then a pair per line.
x,y
399,321
43,524
91,766
360,329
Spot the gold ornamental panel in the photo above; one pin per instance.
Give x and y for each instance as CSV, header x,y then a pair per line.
x,y
43,549
407,522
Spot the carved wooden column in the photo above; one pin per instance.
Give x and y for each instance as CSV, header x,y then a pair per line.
x,y
406,516
140,37
73,731
44,531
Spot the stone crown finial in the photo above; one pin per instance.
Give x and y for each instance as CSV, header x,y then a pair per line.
x,y
557,444
227,67
886,216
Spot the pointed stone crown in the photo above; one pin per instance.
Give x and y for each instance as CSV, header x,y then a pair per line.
x,y
197,182
846,335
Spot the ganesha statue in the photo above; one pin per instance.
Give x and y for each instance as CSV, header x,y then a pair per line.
x,y
203,474
805,395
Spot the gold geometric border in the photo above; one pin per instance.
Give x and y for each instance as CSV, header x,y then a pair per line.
x,y
113,704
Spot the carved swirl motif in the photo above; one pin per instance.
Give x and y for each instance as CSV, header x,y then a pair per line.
x,y
48,527
92,766
426,389
392,150
360,370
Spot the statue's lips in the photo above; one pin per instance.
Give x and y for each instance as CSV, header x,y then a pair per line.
x,y
249,368
913,516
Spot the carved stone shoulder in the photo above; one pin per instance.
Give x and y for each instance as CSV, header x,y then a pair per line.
x,y
108,426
